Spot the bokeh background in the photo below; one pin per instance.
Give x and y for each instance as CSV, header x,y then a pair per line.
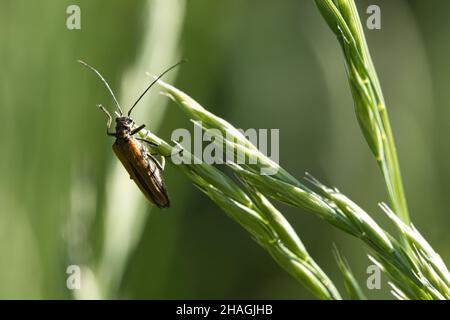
x,y
65,200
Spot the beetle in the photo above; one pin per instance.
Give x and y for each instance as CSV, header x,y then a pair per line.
x,y
144,169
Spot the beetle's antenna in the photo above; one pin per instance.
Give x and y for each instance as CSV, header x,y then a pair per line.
x,y
154,81
105,82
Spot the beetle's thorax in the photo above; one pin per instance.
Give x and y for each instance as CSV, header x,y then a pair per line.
x,y
123,127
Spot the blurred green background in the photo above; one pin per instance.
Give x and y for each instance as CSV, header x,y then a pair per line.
x,y
65,200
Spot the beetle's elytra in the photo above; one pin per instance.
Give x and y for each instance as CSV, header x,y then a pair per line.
x,y
144,169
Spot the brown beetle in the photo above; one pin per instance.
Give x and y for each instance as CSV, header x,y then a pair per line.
x,y
141,165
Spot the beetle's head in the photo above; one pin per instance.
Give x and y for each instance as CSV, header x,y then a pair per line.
x,y
124,126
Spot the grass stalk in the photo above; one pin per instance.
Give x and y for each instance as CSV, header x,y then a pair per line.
x,y
254,212
417,274
352,286
343,19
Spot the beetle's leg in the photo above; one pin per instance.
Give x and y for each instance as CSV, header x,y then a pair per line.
x,y
134,131
151,143
158,164
152,155
108,124
179,153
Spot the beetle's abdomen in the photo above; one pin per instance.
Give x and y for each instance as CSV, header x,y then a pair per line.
x,y
142,170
